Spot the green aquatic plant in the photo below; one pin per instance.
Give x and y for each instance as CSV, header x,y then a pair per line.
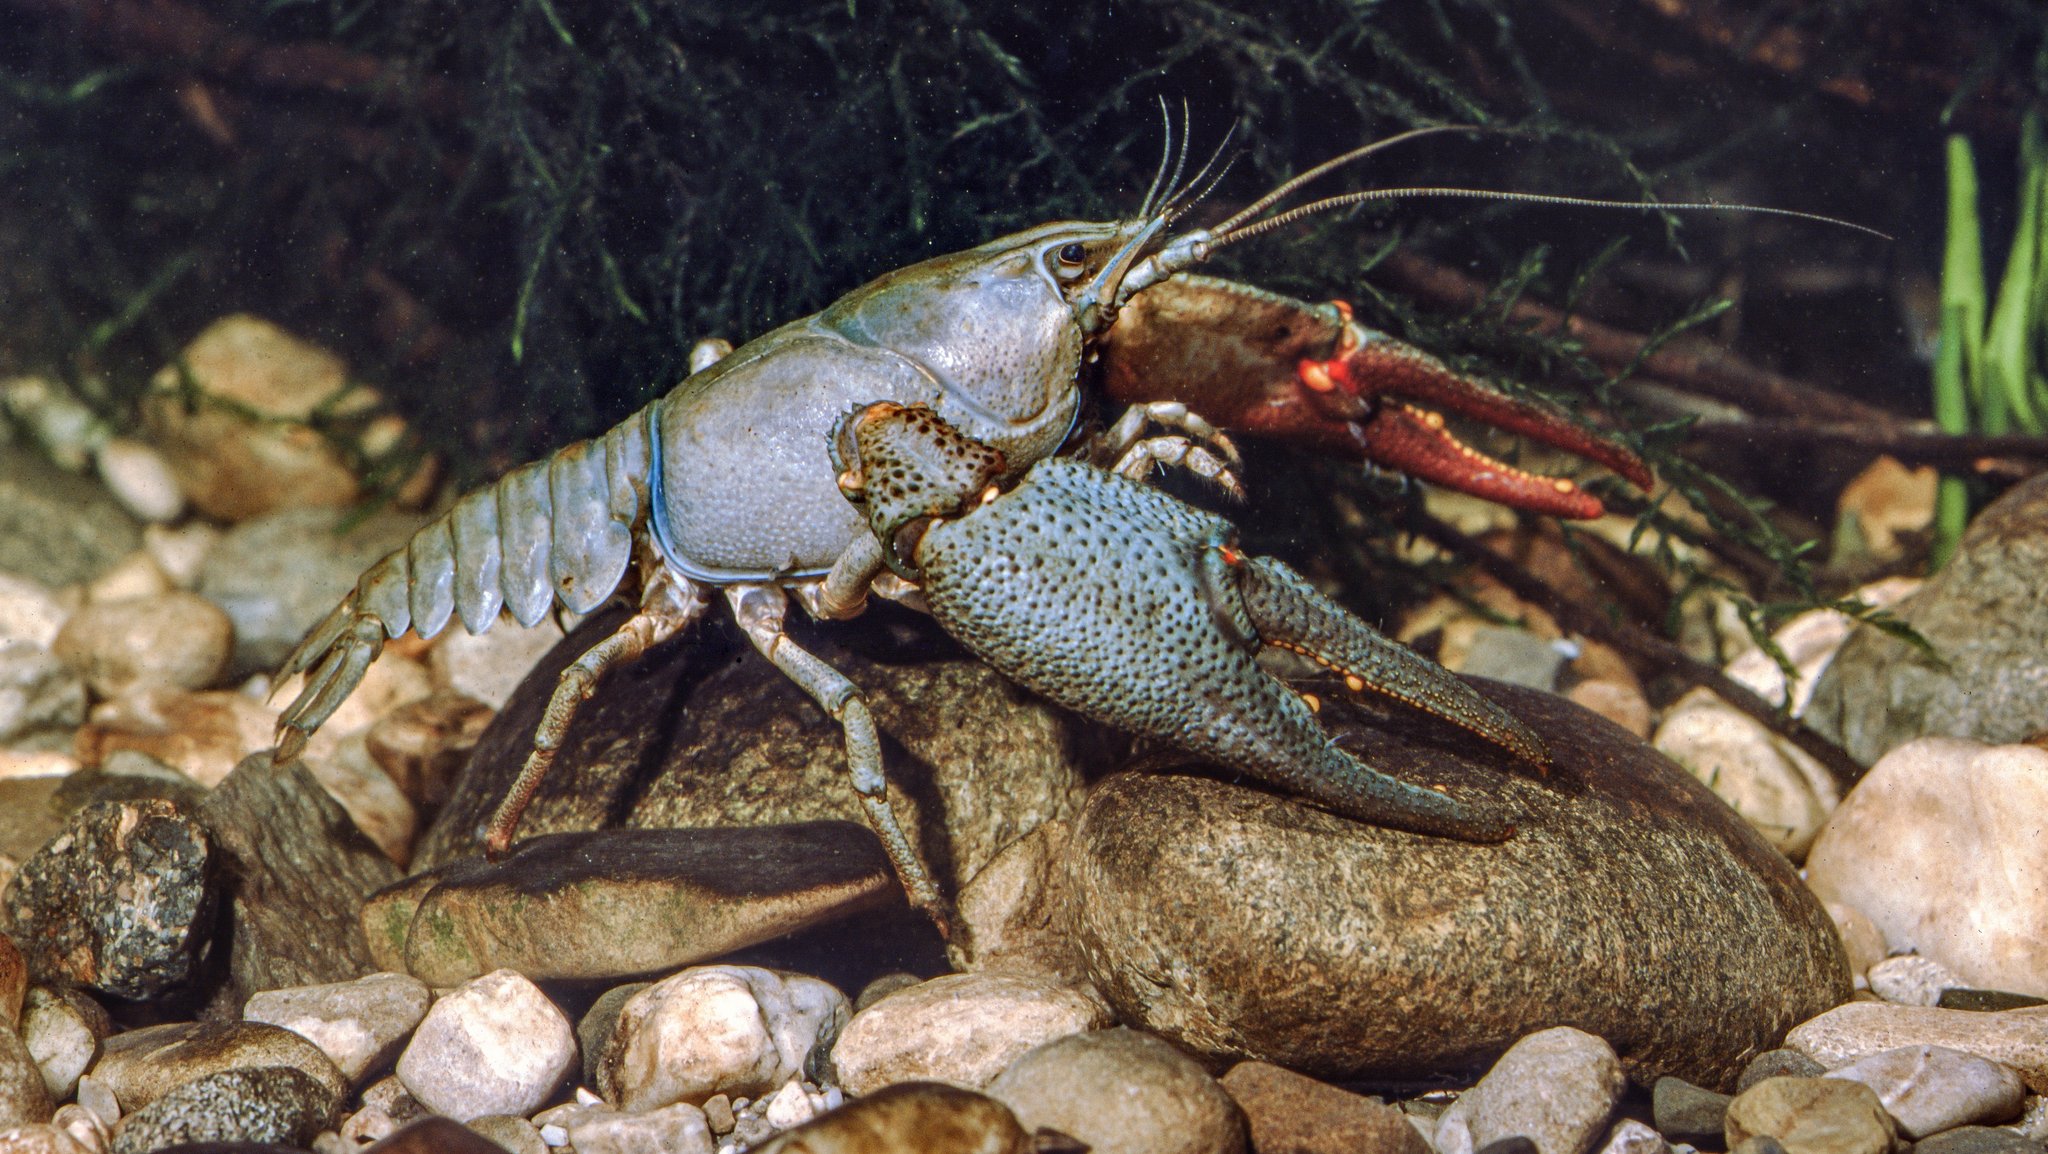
x,y
1987,366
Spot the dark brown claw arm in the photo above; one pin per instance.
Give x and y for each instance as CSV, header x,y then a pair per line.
x,y
1269,365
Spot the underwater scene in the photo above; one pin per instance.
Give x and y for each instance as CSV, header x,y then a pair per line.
x,y
1161,577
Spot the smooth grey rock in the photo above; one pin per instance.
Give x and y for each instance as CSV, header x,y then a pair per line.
x,y
624,902
914,1118
1986,1001
736,1030
1291,1112
38,692
495,1045
1687,1113
1780,1063
277,1104
1237,922
122,901
141,1066
1122,1092
62,1029
705,733
361,1025
174,639
515,1134
1985,613
1555,1087
1812,1116
2015,1038
960,1028
594,1028
278,575
298,872
57,528
1928,1089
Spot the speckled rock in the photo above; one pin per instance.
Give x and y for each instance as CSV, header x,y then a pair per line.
x,y
361,1025
1812,1116
176,639
1911,980
141,1066
1985,614
625,902
496,1045
515,1134
911,1118
1555,1087
1780,1063
1290,1112
736,1030
1630,901
121,901
56,528
278,575
960,1028
1122,1092
1632,1137
265,1104
1009,916
1938,845
1977,1140
707,733
1928,1089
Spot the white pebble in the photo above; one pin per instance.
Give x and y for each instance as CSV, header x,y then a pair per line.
x,y
140,480
1910,980
495,1045
789,1107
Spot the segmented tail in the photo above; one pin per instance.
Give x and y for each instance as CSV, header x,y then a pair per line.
x,y
559,529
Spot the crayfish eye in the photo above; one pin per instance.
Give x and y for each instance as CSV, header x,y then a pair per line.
x,y
1073,253
1068,260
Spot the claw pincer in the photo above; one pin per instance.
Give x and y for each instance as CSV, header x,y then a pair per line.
x,y
1134,608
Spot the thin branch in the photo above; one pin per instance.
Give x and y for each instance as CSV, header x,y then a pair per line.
x,y
1647,654
1687,362
1913,444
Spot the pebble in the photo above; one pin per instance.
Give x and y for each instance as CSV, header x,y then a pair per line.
x,y
594,1029
38,692
1556,1087
1632,1137
1778,1063
204,735
1776,787
423,744
95,1097
915,1118
56,528
387,1107
1928,1089
373,801
120,901
960,1028
24,1098
41,1139
175,639
1861,939
1986,1001
1238,922
515,1134
29,611
1979,903
278,575
678,1128
736,1030
133,576
1122,1092
488,666
1910,980
62,1029
2015,1038
361,1025
228,418
277,1104
1291,1112
1813,1116
304,872
84,1126
140,1066
140,479
1008,917
628,901
180,551
495,1045
1686,1112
